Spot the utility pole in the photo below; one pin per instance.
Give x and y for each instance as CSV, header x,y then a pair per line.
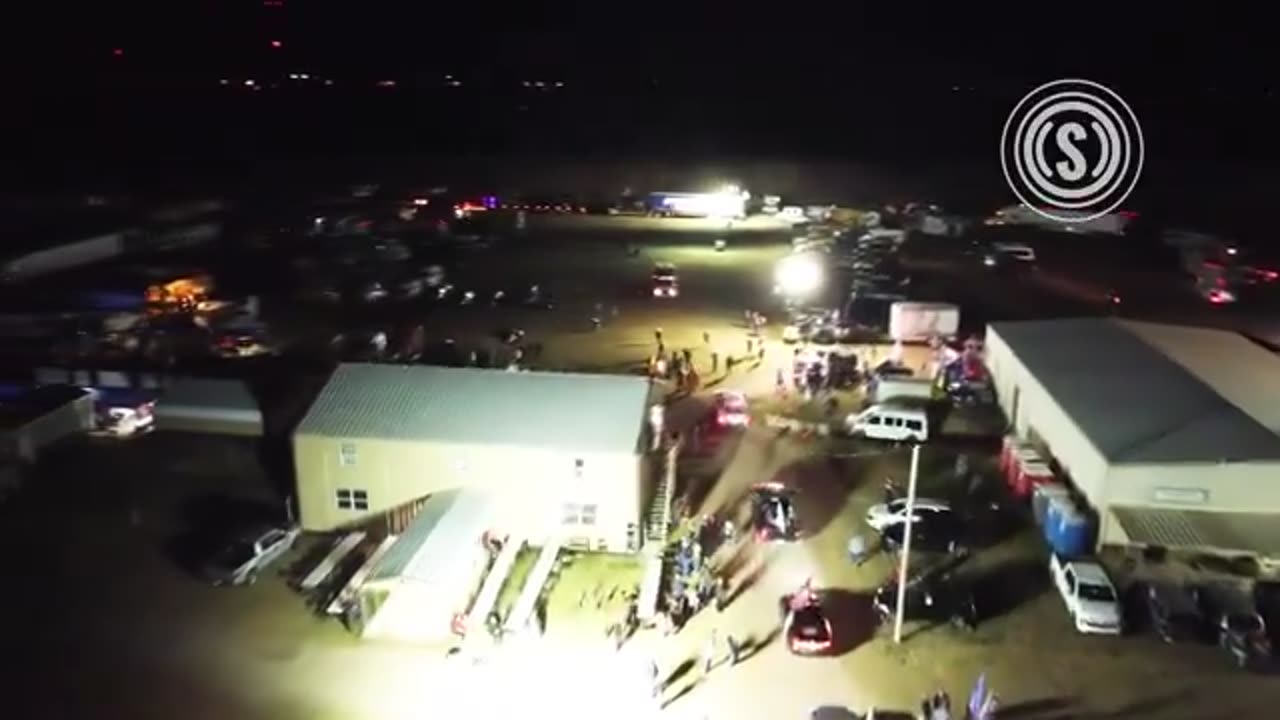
x,y
904,561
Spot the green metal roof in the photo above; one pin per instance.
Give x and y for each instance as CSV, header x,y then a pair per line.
x,y
427,550
555,411
1134,403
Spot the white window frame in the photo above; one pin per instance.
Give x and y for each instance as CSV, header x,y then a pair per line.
x,y
352,499
347,454
580,514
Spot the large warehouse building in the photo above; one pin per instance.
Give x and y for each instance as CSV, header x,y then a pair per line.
x,y
560,453
1170,432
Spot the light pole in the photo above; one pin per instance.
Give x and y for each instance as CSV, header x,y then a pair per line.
x,y
906,544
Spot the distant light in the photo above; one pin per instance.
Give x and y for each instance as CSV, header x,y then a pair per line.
x,y
328,82
455,83
387,83
1232,251
420,202
277,44
559,84
526,83
304,76
118,52
248,83
539,84
224,81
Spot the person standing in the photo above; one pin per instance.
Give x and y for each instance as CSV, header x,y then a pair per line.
x,y
750,347
688,357
722,594
733,648
706,337
709,653
728,365
760,356
715,361
859,551
657,336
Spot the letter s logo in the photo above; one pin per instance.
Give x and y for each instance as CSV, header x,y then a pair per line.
x,y
1068,134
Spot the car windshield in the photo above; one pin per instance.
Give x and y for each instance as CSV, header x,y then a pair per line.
x,y
811,618
1097,593
1244,623
233,556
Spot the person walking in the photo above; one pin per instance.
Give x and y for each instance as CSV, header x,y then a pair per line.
x,y
688,357
859,550
728,365
709,653
657,336
733,648
706,338
760,356
715,361
750,347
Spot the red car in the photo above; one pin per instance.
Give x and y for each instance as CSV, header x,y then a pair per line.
x,y
729,410
806,627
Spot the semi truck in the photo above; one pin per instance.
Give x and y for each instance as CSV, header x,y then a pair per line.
x,y
922,321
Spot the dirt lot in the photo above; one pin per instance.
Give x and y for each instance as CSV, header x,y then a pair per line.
x,y
111,623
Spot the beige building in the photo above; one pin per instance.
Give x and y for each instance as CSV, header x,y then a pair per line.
x,y
1170,432
558,452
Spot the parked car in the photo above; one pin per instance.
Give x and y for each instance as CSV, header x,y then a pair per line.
x,y
1175,615
943,534
729,409
1237,626
242,560
773,514
883,515
1089,595
936,596
807,630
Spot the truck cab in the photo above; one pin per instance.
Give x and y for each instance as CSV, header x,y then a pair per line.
x,y
1089,595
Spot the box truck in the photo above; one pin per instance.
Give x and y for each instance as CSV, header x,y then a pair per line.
x,y
920,321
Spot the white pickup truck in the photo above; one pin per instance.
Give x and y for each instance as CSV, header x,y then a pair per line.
x,y
1089,594
241,561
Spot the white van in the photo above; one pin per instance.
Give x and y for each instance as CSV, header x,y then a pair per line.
x,y
890,388
890,422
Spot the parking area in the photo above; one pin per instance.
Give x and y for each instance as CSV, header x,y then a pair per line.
x,y
103,542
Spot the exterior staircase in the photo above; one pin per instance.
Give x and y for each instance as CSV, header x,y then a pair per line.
x,y
657,531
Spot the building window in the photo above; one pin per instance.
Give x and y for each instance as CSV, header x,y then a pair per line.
x,y
347,454
353,499
578,514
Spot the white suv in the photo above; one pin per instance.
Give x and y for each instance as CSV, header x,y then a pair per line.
x,y
1089,595
883,515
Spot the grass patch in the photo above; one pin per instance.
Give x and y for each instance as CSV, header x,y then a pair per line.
x,y
515,581
598,582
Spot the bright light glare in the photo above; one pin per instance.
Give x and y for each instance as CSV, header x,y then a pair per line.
x,y
799,274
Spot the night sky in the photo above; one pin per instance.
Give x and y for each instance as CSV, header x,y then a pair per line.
x,y
913,83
